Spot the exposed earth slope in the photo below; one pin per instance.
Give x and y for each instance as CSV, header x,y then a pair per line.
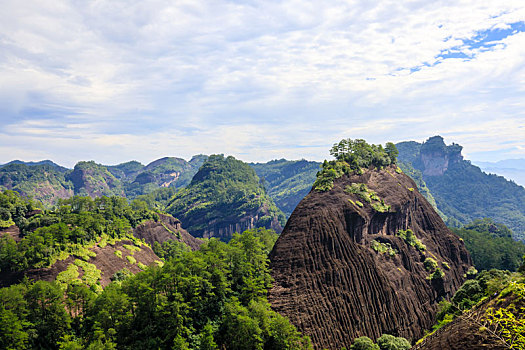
x,y
345,267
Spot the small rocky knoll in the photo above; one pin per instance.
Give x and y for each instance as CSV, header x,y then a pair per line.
x,y
165,229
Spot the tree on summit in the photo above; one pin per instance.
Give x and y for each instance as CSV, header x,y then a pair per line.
x,y
353,155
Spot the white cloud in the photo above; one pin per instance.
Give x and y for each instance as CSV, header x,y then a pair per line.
x,y
255,79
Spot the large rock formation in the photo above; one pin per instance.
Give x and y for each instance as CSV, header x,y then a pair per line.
x,y
436,157
334,286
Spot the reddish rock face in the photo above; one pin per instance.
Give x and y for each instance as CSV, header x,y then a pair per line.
x,y
334,287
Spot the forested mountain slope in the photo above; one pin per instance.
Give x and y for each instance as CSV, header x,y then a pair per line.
x,y
47,182
287,181
224,197
461,190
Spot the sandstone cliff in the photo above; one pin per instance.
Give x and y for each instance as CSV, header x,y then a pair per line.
x,y
342,269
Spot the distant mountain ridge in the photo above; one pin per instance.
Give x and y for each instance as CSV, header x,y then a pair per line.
x,y
47,181
511,169
287,181
443,177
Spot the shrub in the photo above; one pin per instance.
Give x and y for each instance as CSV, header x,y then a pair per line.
x,y
132,249
468,294
121,275
91,272
436,275
68,276
383,248
364,343
430,264
411,239
382,208
445,265
118,253
389,342
472,272
131,259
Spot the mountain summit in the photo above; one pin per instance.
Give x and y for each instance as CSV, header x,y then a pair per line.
x,y
365,256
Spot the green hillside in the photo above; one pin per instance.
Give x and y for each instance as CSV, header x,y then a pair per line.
x,y
287,181
491,245
43,181
94,180
462,192
225,196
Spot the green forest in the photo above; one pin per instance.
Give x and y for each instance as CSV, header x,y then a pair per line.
x,y
223,190
207,299
75,225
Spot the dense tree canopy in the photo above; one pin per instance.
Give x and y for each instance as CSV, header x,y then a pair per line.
x,y
491,245
213,298
74,223
353,155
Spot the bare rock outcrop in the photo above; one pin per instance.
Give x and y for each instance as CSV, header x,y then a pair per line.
x,y
334,286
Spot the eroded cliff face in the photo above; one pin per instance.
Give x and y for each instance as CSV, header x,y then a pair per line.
x,y
334,286
436,157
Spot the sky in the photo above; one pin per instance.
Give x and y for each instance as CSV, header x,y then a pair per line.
x,y
114,81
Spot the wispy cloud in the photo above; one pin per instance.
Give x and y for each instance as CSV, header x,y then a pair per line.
x,y
119,80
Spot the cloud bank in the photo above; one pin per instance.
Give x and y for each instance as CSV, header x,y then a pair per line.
x,y
120,80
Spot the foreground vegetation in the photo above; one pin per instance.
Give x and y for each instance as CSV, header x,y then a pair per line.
x,y
213,298
503,319
72,227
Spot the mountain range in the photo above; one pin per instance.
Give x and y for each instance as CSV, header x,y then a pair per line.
x,y
364,253
442,175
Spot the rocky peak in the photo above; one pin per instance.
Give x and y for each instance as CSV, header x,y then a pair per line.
x,y
356,261
436,157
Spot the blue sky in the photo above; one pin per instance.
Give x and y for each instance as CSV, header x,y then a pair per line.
x,y
119,80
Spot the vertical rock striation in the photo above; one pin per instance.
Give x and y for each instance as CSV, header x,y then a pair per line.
x,y
334,286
